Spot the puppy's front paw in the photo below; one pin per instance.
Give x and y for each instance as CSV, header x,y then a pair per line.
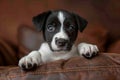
x,y
31,61
87,50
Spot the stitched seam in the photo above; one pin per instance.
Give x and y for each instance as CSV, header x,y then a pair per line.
x,y
64,71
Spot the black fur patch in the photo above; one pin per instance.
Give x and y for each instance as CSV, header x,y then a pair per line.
x,y
50,24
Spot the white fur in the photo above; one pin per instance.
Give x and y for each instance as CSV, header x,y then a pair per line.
x,y
45,55
84,48
33,57
61,33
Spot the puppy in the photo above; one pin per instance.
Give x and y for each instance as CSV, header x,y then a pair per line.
x,y
60,30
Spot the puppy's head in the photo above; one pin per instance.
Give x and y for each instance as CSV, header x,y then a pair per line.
x,y
59,28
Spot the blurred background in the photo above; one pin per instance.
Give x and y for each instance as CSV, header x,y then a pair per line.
x,y
104,13
99,13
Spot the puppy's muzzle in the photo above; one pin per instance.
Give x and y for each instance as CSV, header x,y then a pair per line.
x,y
61,42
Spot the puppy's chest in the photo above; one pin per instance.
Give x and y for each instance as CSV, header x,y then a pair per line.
x,y
58,55
48,55
61,55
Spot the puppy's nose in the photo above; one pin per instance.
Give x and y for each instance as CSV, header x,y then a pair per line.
x,y
61,42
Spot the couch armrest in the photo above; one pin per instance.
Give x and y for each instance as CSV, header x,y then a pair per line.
x,y
105,66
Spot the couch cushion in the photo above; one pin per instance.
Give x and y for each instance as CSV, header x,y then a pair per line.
x,y
8,55
28,39
102,67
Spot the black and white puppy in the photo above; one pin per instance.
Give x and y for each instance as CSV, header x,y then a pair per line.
x,y
60,30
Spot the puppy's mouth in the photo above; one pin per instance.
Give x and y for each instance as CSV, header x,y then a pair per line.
x,y
60,45
66,47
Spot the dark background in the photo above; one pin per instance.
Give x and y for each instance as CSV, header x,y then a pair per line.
x,y
104,13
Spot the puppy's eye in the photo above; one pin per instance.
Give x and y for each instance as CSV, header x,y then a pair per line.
x,y
71,27
50,28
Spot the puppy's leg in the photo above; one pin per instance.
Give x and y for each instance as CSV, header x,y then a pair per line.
x,y
30,61
87,50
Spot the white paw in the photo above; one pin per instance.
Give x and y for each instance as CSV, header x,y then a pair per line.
x,y
30,61
87,50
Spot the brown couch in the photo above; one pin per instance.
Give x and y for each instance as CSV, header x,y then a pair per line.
x,y
105,66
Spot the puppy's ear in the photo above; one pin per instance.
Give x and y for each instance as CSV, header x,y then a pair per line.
x,y
81,22
40,20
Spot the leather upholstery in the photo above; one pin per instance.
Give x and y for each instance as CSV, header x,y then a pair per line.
x,y
103,67
114,47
